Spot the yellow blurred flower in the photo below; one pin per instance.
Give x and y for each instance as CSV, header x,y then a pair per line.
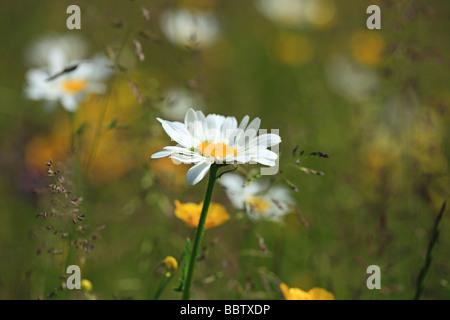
x,y
321,13
54,145
294,49
427,144
367,47
86,285
298,294
171,263
114,154
190,214
382,155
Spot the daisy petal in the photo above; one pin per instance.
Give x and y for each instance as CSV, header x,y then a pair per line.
x,y
161,154
200,115
241,159
265,161
244,137
186,159
244,122
177,132
69,102
180,150
253,128
197,172
190,117
265,153
266,140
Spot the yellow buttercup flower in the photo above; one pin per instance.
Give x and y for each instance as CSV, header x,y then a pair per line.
x,y
298,294
190,214
171,263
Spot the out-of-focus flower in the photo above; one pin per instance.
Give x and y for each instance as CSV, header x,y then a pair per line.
x,y
190,214
260,201
198,4
350,80
298,294
120,113
367,47
382,158
321,13
204,141
56,52
426,145
177,101
298,13
69,84
171,263
115,129
86,285
62,72
54,145
286,12
293,49
190,29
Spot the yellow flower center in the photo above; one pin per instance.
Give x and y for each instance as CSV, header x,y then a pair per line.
x,y
258,204
219,150
74,85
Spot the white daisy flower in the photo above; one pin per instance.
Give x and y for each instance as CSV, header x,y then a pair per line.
x,y
68,84
191,29
258,199
203,141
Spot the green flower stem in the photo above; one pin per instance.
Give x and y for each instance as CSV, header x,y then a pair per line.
x,y
199,230
164,282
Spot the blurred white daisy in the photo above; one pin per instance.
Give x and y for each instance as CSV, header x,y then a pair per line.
x,y
203,141
286,12
351,80
68,84
56,51
298,13
191,29
177,101
258,199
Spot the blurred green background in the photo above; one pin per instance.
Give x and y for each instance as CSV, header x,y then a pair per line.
x,y
376,101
